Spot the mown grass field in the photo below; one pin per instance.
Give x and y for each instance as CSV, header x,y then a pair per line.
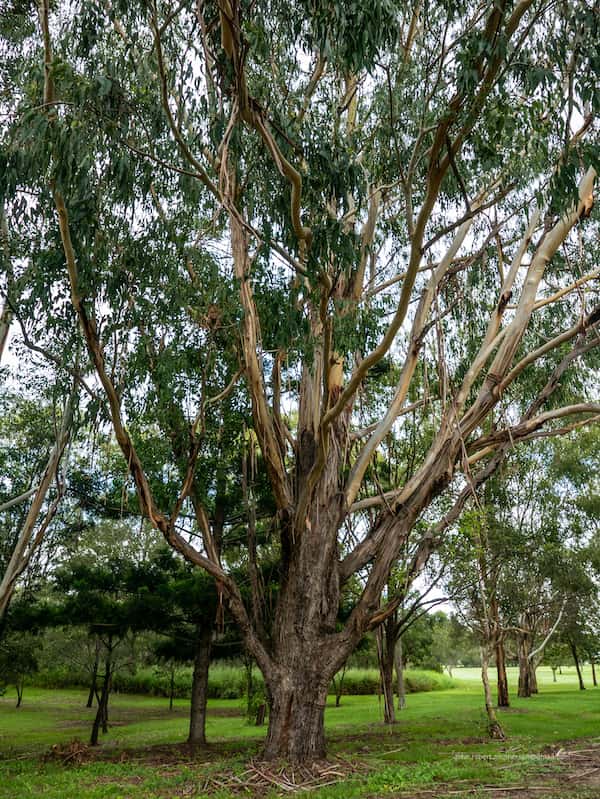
x,y
439,747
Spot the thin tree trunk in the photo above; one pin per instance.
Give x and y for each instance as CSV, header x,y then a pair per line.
x,y
385,653
594,680
27,542
523,648
577,666
248,666
101,718
533,677
19,686
94,685
105,708
494,728
197,733
338,684
7,314
401,688
553,673
171,687
503,697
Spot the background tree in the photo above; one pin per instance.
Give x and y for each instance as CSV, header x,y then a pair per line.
x,y
18,660
112,599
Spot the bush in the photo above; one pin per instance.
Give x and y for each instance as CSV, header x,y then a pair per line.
x,y
361,682
229,682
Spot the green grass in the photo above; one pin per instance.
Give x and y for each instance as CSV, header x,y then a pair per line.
x,y
440,739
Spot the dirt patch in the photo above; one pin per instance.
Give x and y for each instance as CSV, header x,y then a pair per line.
x,y
513,710
573,771
473,739
224,712
170,756
123,717
581,761
570,770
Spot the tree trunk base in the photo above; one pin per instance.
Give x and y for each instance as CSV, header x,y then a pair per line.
x,y
495,731
296,724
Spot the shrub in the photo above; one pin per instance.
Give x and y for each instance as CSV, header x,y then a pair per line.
x,y
229,682
360,682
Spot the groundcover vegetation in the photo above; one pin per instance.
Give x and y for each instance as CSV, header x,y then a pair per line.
x,y
439,748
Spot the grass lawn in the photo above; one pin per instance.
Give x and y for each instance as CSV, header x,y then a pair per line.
x,y
439,747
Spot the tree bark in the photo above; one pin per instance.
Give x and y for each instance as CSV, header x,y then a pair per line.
x,y
577,666
594,680
494,728
19,687
503,697
197,733
296,714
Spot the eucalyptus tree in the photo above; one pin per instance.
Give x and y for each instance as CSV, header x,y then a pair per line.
x,y
517,570
336,223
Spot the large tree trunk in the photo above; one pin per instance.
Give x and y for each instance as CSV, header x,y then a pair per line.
x,y
305,652
296,716
197,734
503,698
